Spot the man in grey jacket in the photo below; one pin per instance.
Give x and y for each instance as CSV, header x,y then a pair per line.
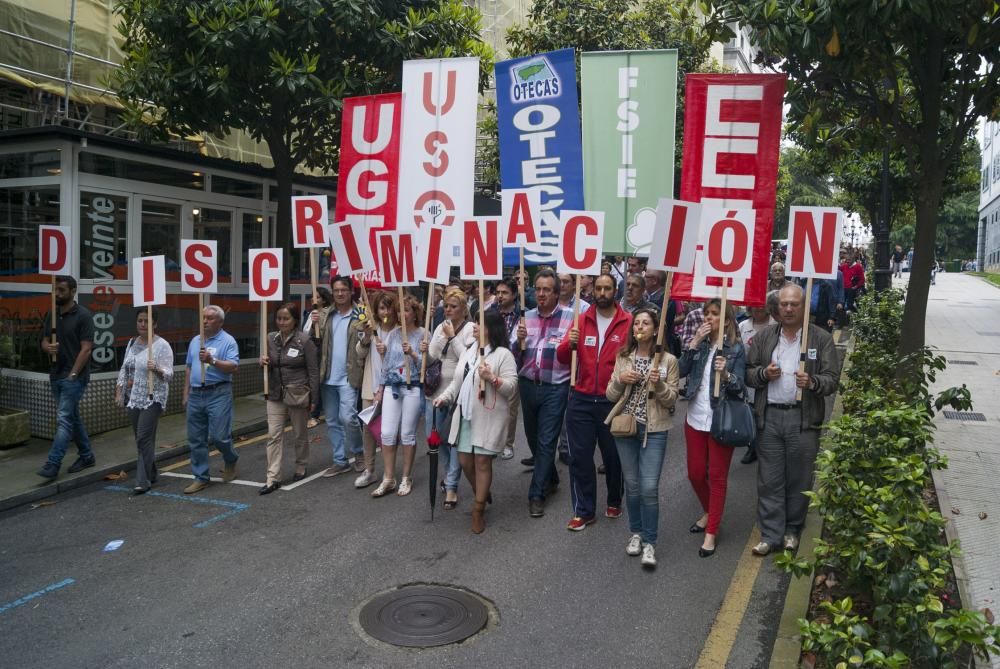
x,y
788,428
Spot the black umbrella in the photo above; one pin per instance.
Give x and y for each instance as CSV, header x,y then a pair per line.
x,y
433,442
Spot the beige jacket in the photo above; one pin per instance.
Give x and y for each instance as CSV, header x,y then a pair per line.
x,y
490,415
658,417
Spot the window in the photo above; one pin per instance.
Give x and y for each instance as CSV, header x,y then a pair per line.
x,y
253,238
161,234
237,187
217,224
103,223
30,164
109,166
22,210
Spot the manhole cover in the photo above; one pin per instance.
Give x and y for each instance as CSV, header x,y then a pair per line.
x,y
965,415
962,362
423,616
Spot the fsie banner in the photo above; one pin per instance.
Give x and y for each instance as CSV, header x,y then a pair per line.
x,y
629,120
732,136
539,123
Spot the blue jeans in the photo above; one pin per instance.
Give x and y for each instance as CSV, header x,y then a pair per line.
x,y
342,425
448,452
210,423
69,426
641,469
542,407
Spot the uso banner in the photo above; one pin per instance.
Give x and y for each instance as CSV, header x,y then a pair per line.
x,y
539,123
732,135
438,154
367,189
629,118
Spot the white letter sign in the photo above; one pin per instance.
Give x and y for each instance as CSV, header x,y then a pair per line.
x,y
581,242
265,274
481,248
395,258
53,249
149,281
727,242
199,265
814,241
675,236
309,221
522,212
434,249
351,249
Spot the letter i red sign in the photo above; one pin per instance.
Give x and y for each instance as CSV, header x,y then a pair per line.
x,y
149,281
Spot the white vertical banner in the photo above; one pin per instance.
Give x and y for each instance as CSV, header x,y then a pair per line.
x,y
438,151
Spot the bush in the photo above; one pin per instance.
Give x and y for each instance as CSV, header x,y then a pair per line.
x,y
881,535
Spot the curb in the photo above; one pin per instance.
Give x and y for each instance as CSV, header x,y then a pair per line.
x,y
45,490
787,650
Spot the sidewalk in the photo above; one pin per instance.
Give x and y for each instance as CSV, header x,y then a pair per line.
x,y
115,451
963,324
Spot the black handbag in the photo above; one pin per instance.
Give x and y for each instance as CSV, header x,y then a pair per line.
x,y
733,423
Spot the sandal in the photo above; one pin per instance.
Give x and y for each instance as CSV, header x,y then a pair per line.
x,y
405,486
384,488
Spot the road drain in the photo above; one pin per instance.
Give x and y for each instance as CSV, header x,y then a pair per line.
x,y
424,616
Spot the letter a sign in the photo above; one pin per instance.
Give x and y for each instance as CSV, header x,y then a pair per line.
x,y
53,249
814,241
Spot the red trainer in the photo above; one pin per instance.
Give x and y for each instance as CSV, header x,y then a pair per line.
x,y
578,524
613,512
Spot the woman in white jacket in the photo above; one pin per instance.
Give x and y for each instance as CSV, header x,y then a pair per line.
x,y
479,423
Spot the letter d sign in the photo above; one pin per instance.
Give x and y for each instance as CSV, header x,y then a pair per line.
x,y
53,249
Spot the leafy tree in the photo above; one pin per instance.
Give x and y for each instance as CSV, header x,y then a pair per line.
x,y
799,183
912,68
278,69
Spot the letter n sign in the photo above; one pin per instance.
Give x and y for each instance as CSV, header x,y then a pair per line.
x,y
814,241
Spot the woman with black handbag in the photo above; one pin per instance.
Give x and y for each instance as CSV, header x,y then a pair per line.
x,y
644,396
293,372
707,458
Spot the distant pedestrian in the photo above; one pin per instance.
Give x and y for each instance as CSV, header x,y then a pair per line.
x,y
776,276
854,280
145,404
209,399
897,262
68,378
293,380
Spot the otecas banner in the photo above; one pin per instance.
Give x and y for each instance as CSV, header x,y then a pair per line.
x,y
629,101
732,137
368,187
539,125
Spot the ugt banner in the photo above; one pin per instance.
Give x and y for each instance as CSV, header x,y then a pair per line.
x,y
367,189
629,119
438,155
732,137
539,123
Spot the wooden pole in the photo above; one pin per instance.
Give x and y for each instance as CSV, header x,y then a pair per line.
x,y
720,340
805,334
150,337
364,298
429,309
576,326
402,325
52,335
523,288
661,330
201,331
482,336
263,342
313,271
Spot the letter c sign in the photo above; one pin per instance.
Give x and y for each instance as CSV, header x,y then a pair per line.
x,y
581,243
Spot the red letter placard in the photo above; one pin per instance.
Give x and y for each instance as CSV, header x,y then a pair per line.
x,y
522,211
149,281
265,274
199,265
675,236
53,249
395,258
309,221
732,138
434,252
351,249
814,241
482,252
727,237
581,242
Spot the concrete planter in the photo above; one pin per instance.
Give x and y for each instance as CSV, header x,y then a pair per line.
x,y
15,427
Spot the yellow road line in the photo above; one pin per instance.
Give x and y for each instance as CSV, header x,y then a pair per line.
x,y
240,444
720,639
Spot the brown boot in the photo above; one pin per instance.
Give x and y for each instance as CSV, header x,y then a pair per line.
x,y
478,522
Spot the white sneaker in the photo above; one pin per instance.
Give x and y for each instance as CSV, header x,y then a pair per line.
x,y
405,486
649,555
366,479
791,542
507,454
634,546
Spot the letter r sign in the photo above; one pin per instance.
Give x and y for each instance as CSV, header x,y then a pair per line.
x,y
309,214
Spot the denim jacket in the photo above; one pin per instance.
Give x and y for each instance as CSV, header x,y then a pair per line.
x,y
692,365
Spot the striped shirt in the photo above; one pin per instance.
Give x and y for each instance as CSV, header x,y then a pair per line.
x,y
538,360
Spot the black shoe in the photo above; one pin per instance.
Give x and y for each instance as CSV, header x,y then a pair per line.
x,y
139,490
536,508
749,457
299,477
81,464
696,528
48,471
268,489
705,552
528,462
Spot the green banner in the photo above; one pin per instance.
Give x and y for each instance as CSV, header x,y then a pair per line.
x,y
629,101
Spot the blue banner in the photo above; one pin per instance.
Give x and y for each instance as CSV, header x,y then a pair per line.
x,y
540,145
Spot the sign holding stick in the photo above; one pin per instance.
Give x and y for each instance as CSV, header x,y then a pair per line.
x,y
481,259
402,325
814,235
722,335
199,274
309,221
482,338
265,284
579,253
427,330
522,211
149,278
53,259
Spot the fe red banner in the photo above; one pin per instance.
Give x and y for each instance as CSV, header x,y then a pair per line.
x,y
732,138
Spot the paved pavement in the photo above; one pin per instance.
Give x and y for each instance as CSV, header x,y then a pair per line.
x,y
963,323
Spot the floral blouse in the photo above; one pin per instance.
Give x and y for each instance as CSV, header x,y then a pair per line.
x,y
133,373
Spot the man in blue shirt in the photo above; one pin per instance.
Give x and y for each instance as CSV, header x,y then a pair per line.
x,y
209,399
340,398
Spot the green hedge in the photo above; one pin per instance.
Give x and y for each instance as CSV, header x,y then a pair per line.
x,y
881,536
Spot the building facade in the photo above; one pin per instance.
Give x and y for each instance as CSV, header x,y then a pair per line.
x,y
988,239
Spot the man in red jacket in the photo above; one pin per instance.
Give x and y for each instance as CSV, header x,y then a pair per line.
x,y
603,330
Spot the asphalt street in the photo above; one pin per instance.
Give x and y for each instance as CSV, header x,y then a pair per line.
x,y
234,579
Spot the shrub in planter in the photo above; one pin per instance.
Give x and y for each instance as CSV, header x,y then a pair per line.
x,y
15,427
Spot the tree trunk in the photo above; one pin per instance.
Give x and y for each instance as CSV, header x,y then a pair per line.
x,y
284,174
928,201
